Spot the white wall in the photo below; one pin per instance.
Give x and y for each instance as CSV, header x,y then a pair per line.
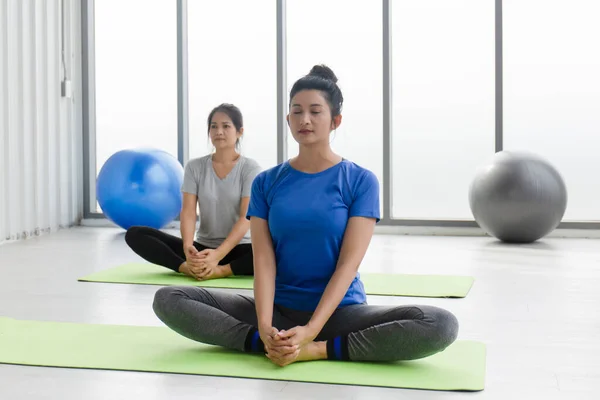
x,y
41,133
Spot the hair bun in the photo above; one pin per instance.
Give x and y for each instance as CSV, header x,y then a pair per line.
x,y
323,71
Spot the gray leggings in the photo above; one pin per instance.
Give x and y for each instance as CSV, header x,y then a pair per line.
x,y
358,332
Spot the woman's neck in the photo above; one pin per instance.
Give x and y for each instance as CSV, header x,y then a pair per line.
x,y
225,156
315,159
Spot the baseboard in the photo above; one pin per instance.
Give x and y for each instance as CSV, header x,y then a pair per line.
x,y
458,231
406,230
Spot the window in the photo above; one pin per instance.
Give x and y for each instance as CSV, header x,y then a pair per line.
x,y
232,55
353,51
443,124
136,76
552,92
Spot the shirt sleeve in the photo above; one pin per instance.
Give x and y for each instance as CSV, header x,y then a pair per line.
x,y
190,183
249,176
258,206
366,197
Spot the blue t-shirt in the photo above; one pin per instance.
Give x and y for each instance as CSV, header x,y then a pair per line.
x,y
307,216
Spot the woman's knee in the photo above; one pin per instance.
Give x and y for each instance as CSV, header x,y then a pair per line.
x,y
133,233
445,326
164,301
167,299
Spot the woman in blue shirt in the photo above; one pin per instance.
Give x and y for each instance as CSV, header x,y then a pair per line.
x,y
311,219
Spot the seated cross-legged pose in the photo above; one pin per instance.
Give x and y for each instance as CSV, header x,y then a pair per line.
x,y
220,184
312,219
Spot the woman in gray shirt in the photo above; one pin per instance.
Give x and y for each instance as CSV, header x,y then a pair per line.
x,y
219,184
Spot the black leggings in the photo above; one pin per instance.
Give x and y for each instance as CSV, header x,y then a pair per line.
x,y
167,250
357,332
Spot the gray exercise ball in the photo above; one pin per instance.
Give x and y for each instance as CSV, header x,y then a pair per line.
x,y
518,197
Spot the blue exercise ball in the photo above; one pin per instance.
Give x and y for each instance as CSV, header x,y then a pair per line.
x,y
140,187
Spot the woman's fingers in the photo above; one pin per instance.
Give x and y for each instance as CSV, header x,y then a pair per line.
x,y
283,350
279,342
283,360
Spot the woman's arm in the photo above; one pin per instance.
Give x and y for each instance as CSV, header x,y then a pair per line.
x,y
239,229
356,241
264,273
354,247
187,226
187,219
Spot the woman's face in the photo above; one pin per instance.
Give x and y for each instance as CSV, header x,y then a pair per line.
x,y
222,131
310,118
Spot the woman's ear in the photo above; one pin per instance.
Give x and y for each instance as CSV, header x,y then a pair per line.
x,y
287,118
336,122
240,132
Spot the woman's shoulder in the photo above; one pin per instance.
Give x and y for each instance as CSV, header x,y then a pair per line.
x,y
270,176
249,164
356,171
198,162
358,178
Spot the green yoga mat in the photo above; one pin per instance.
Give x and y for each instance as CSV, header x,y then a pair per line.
x,y
375,284
158,349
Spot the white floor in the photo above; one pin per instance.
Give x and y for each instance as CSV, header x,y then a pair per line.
x,y
535,306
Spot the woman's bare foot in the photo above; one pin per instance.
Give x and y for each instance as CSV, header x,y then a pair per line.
x,y
206,273
309,352
225,271
184,268
313,351
213,272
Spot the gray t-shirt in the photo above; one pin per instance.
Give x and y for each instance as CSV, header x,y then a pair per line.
x,y
218,199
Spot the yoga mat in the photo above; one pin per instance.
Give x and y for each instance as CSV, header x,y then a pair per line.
x,y
375,284
158,349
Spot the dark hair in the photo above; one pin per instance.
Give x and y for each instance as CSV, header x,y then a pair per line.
x,y
321,78
232,112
